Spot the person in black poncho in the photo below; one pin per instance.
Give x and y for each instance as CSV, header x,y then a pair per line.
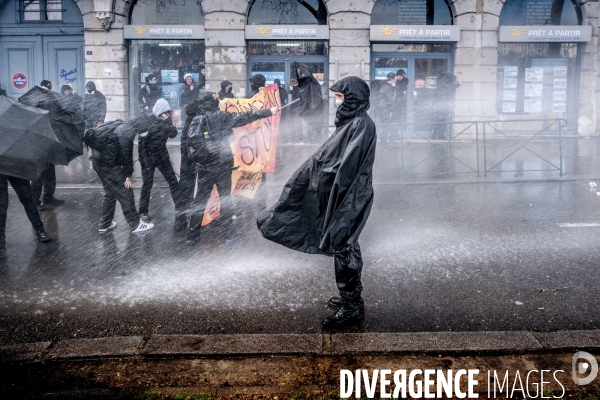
x,y
325,204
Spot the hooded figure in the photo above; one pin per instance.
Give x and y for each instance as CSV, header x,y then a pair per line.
x,y
94,106
212,129
312,107
257,82
325,204
153,154
225,92
73,97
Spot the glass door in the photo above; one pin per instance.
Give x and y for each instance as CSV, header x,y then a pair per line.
x,y
416,89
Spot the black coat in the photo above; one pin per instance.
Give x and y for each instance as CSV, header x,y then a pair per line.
x,y
94,108
188,95
386,100
325,204
220,126
149,95
152,147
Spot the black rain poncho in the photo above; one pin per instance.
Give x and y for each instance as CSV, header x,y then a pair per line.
x,y
325,204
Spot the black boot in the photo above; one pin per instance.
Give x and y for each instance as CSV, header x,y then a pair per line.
x,y
41,235
180,222
335,302
193,236
348,314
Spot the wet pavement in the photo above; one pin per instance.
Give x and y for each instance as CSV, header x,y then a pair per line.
x,y
463,256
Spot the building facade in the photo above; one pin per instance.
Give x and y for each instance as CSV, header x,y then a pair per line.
x,y
518,59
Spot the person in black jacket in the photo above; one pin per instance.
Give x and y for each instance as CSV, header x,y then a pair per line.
x,y
149,94
257,82
444,98
153,154
325,204
94,106
73,97
387,108
282,92
217,171
188,93
225,92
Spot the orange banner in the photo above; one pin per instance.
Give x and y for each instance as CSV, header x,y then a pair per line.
x,y
254,147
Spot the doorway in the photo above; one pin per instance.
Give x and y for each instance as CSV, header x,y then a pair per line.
x,y
417,96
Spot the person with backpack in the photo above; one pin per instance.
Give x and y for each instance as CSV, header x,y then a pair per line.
x,y
208,141
153,154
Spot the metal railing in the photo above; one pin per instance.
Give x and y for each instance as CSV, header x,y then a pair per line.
x,y
475,139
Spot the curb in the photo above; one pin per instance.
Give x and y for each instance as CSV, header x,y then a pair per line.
x,y
342,344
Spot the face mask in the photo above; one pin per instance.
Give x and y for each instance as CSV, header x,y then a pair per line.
x,y
89,90
338,102
321,83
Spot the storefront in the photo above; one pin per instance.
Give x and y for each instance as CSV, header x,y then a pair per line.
x,y
279,34
167,40
538,62
417,37
33,49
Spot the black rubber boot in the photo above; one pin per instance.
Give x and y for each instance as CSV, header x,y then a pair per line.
x,y
346,315
193,236
180,222
335,302
41,235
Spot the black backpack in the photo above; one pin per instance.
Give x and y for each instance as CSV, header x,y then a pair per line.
x,y
104,142
201,147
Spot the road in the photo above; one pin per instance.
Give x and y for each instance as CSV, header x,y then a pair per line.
x,y
438,257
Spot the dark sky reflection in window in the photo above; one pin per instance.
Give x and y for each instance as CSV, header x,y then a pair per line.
x,y
540,12
276,12
411,12
167,12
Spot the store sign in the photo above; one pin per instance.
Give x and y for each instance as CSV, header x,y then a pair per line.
x,y
415,33
163,32
576,33
282,32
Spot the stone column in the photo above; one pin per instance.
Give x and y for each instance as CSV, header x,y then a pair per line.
x,y
349,42
589,92
225,44
476,58
107,63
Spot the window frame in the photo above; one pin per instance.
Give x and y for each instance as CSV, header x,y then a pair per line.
x,y
42,12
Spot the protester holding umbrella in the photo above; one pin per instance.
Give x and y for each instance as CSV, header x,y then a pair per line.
x,y
68,126
325,204
94,106
26,147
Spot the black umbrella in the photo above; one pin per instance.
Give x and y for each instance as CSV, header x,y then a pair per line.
x,y
65,117
27,141
312,107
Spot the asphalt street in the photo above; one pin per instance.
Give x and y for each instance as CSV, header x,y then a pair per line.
x,y
438,257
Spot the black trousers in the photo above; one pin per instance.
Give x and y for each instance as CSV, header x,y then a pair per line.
x,y
442,116
113,181
348,269
187,176
23,189
205,185
47,182
166,169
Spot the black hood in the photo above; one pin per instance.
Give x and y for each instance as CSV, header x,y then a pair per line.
x,y
356,98
257,81
206,102
90,85
224,84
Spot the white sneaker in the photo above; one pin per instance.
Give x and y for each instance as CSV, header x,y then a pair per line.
x,y
143,226
112,226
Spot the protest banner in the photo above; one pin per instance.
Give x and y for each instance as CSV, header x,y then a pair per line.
x,y
254,147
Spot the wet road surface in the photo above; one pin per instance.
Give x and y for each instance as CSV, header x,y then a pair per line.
x,y
438,257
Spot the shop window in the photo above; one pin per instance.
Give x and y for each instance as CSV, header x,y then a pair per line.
x,y
167,12
537,79
41,10
287,48
411,12
299,12
540,12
